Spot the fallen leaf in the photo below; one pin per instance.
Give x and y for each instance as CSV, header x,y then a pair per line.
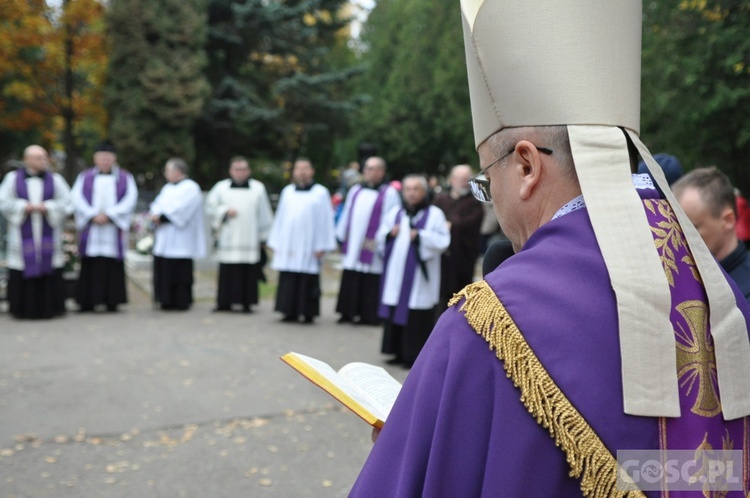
x,y
326,483
265,482
50,459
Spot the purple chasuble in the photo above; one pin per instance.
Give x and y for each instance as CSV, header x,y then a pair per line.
x,y
368,246
459,428
401,316
36,264
88,193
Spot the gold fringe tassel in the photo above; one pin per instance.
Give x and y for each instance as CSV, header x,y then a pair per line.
x,y
589,459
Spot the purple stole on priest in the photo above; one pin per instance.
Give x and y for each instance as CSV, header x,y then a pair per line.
x,y
88,193
36,266
401,315
367,251
701,425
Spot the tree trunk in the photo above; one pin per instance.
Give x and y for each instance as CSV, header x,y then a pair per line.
x,y
69,141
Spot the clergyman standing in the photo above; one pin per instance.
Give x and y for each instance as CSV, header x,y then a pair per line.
x,y
241,214
104,197
302,233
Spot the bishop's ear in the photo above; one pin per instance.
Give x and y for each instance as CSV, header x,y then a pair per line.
x,y
529,167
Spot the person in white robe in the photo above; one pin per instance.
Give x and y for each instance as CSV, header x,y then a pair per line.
x,y
302,233
36,203
179,237
365,206
104,198
241,216
412,239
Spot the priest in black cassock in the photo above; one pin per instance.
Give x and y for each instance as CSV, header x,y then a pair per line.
x,y
365,207
36,203
464,214
302,233
104,198
412,238
179,237
241,216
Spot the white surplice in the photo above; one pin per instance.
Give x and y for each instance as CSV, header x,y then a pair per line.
x,y
303,225
434,239
184,236
58,208
103,239
360,219
240,237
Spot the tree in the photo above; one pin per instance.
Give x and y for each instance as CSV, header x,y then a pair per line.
x,y
81,33
419,114
50,67
278,70
28,57
155,83
696,83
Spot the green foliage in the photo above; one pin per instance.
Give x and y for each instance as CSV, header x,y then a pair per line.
x,y
156,88
419,114
696,83
279,71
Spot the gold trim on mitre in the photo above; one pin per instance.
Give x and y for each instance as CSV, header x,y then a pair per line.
x,y
588,457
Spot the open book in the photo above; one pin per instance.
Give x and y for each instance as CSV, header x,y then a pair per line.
x,y
365,389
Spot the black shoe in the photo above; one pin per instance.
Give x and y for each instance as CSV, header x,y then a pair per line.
x,y
220,309
308,319
247,310
85,309
394,361
344,319
112,308
289,319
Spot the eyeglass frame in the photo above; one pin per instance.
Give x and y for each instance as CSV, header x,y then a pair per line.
x,y
480,184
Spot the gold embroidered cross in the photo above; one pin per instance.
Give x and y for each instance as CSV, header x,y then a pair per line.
x,y
695,358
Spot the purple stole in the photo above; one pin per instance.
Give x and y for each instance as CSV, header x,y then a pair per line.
x,y
368,246
33,267
88,193
401,316
701,425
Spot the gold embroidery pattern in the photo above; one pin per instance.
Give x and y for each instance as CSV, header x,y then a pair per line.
x,y
668,238
701,455
589,459
695,358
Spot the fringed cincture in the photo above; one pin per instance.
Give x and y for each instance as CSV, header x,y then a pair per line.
x,y
589,459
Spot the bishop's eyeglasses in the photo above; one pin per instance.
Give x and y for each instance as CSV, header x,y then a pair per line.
x,y
480,183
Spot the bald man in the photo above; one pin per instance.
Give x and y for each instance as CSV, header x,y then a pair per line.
x,y
464,214
36,203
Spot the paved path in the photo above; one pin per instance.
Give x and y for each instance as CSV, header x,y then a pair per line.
x,y
144,403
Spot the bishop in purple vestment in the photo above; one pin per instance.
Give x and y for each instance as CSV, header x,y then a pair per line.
x,y
611,328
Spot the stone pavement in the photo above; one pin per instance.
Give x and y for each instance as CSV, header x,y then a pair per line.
x,y
145,403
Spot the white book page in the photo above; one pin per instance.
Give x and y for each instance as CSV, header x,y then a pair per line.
x,y
375,384
343,383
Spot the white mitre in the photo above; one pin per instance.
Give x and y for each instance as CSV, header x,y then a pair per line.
x,y
578,63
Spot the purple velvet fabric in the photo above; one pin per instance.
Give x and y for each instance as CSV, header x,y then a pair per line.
x,y
459,428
